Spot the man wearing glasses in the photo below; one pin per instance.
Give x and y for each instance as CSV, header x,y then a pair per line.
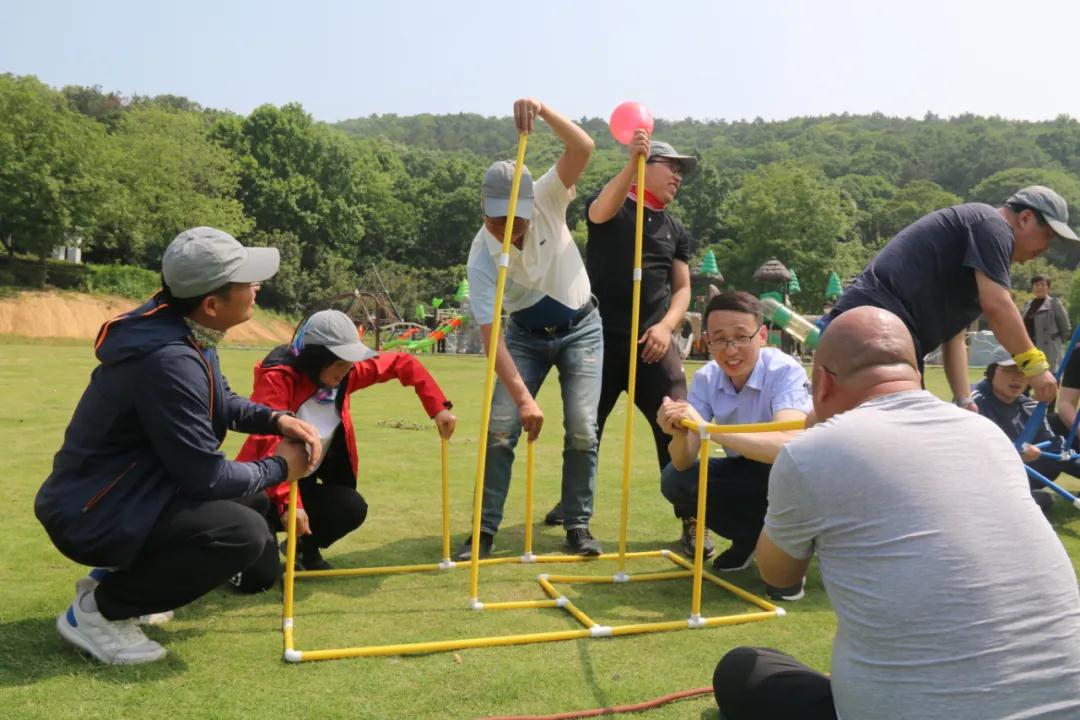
x,y
665,283
744,383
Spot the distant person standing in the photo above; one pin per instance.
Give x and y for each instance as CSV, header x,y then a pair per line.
x,y
944,270
665,284
1046,321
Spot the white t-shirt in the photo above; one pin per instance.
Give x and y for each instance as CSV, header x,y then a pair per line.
x,y
549,262
325,418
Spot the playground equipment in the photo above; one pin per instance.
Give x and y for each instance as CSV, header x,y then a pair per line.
x,y
791,322
693,569
405,341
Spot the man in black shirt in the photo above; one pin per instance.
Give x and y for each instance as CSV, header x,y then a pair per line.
x,y
665,283
944,270
1062,420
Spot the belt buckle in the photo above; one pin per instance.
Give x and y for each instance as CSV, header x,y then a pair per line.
x,y
551,330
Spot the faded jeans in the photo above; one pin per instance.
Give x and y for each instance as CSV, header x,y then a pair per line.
x,y
578,353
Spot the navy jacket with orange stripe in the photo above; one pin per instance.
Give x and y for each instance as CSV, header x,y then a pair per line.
x,y
148,428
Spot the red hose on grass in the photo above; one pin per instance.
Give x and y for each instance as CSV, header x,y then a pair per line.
x,y
597,712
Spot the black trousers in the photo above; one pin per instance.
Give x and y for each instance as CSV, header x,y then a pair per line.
x,y
333,505
736,497
759,683
654,381
194,547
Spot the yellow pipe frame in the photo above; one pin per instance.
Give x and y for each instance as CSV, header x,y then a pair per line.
x,y
591,629
631,384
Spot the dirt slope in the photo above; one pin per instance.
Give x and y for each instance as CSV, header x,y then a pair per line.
x,y
76,315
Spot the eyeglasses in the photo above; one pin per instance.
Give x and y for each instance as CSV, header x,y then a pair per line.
x,y
674,167
739,341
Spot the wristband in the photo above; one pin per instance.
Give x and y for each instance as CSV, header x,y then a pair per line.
x,y
962,401
1031,362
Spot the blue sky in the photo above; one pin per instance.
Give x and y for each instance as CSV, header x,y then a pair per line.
x,y
708,60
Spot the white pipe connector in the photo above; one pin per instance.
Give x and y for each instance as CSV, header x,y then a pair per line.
x,y
695,622
543,576
665,552
447,564
600,631
780,612
293,656
637,274
286,623
561,601
475,604
504,259
528,557
620,577
703,432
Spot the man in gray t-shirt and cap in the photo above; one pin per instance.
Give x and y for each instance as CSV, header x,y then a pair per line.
x,y
949,603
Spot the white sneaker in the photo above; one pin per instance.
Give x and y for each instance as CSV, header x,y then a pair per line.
x,y
89,583
116,642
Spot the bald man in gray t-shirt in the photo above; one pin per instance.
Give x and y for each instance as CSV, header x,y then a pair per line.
x,y
950,603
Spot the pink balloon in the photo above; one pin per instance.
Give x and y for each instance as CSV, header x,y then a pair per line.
x,y
627,118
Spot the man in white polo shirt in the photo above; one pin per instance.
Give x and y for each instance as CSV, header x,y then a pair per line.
x,y
553,323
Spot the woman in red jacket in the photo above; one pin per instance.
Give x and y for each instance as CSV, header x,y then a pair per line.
x,y
314,377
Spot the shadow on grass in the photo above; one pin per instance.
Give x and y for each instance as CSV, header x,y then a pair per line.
x,y
33,651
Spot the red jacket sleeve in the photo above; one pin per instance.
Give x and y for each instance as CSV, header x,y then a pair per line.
x,y
275,390
409,372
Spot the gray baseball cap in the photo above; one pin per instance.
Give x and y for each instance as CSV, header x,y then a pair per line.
x,y
659,149
1052,206
204,259
334,330
495,192
1001,356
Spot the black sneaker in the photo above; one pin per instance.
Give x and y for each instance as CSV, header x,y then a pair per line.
x,y
795,592
737,557
308,556
487,542
554,516
689,533
581,542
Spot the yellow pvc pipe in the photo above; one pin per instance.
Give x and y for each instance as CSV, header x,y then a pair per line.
x,y
521,605
608,579
699,531
445,460
444,645
290,564
530,464
733,589
631,384
489,377
773,426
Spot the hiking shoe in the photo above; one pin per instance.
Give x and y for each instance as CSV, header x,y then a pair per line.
x,y
487,542
737,557
581,542
89,584
689,534
795,592
116,642
554,516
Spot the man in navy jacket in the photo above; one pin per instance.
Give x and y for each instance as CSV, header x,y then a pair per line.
x,y
140,488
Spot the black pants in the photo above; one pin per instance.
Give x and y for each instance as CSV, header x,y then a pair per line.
x,y
654,381
736,498
333,505
759,683
194,547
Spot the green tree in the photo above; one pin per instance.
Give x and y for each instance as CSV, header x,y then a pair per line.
x,y
910,203
50,190
791,212
997,188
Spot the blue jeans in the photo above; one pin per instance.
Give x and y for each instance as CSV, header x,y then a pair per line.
x,y
578,353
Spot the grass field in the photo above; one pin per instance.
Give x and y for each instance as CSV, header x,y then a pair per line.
x,y
225,650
